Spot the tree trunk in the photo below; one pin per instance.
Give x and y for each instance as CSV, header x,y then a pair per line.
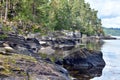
x,y
6,10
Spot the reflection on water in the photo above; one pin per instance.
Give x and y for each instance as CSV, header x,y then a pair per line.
x,y
87,74
93,44
84,74
81,74
111,55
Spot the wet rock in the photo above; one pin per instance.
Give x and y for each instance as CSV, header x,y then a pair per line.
x,y
84,74
84,58
84,64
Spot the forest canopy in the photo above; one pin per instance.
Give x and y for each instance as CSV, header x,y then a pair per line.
x,y
112,31
24,16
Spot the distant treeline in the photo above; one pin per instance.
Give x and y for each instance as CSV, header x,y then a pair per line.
x,y
49,15
112,31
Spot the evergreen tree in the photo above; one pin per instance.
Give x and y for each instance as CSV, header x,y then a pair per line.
x,y
49,15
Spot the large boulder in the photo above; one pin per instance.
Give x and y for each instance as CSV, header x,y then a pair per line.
x,y
84,63
84,58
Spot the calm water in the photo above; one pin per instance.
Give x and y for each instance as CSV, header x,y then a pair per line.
x,y
111,55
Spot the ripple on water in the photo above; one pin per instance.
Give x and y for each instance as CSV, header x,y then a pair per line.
x,y
111,55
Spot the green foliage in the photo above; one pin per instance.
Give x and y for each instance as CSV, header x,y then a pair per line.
x,y
112,31
53,15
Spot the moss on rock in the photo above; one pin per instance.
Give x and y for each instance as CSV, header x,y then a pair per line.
x,y
9,63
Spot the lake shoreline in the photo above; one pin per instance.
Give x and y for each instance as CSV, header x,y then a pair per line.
x,y
31,45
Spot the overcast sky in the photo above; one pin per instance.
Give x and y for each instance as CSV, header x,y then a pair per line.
x,y
108,11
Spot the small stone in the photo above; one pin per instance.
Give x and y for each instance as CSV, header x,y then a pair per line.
x,y
2,68
5,53
2,52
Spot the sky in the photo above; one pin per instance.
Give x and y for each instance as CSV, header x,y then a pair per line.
x,y
108,12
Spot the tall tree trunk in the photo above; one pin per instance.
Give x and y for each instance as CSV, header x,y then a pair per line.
x,y
6,10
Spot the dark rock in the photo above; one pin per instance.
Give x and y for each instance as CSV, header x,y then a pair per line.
x,y
62,70
15,38
2,68
84,63
34,44
63,47
64,41
84,58
59,62
62,44
1,43
107,37
23,67
21,45
85,74
48,59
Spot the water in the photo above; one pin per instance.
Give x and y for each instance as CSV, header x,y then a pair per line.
x,y
111,55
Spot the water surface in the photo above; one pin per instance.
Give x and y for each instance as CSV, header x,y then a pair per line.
x,y
111,55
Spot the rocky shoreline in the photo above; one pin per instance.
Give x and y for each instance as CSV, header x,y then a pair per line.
x,y
20,58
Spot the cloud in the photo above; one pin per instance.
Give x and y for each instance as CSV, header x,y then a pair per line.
x,y
108,11
111,22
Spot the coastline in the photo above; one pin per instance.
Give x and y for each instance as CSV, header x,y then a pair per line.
x,y
28,47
